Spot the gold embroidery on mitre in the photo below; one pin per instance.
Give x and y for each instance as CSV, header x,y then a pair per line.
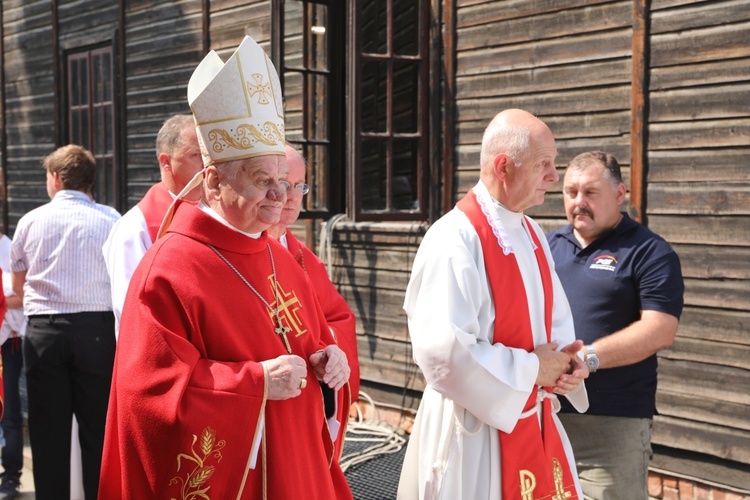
x,y
192,483
528,484
288,308
245,137
259,88
557,474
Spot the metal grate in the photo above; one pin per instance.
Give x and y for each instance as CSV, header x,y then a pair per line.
x,y
377,478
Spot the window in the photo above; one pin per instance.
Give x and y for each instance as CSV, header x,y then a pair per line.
x,y
309,55
91,120
391,163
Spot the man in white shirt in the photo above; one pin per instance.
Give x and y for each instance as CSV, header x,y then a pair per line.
x,y
69,346
179,160
492,332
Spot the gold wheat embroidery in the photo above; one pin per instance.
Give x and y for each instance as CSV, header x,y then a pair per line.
x,y
193,482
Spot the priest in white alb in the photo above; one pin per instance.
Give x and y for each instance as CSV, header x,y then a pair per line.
x,y
492,332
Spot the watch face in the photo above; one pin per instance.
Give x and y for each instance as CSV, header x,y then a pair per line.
x,y
592,362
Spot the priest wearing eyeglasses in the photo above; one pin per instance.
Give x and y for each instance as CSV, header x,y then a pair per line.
x,y
224,350
338,314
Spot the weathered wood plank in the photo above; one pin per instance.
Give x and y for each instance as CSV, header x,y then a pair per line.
x,y
702,230
699,261
699,165
729,294
720,325
608,99
698,15
679,376
486,12
542,26
699,198
709,44
389,362
700,74
709,351
553,78
715,440
716,102
732,132
688,407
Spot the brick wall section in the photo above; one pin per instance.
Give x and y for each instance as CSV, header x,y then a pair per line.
x,y
664,487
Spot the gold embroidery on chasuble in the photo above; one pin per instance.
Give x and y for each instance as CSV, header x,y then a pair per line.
x,y
288,307
557,474
528,484
193,484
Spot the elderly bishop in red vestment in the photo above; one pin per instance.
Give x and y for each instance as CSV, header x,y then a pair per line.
x,y
223,347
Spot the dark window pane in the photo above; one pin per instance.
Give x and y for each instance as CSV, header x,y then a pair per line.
x,y
75,98
374,96
318,36
75,127
100,132
317,111
317,177
85,128
98,81
373,170
293,105
406,31
293,19
107,76
405,96
374,22
109,132
405,170
83,81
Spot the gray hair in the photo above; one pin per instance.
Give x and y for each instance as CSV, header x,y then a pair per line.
x,y
502,138
169,137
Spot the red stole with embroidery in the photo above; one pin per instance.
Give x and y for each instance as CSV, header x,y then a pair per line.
x,y
534,464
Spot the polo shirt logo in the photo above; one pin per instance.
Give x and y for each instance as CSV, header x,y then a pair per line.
x,y
605,263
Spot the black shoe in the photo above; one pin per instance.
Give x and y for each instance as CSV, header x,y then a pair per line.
x,y
9,486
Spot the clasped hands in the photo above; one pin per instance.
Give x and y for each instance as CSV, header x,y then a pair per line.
x,y
286,373
562,370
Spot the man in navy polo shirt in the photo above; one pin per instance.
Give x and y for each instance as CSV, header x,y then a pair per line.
x,y
624,285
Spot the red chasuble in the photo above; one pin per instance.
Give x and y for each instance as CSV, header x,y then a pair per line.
x,y
189,395
340,319
533,461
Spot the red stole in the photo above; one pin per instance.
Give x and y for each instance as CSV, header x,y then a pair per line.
x,y
154,205
534,464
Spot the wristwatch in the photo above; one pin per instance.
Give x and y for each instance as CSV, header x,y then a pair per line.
x,y
591,360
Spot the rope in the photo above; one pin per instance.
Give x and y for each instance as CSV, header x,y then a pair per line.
x,y
386,438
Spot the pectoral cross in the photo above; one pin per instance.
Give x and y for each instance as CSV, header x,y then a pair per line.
x,y
281,331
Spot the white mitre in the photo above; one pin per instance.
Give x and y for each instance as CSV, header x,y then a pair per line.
x,y
237,105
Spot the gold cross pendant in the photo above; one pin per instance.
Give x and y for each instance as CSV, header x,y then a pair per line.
x,y
281,331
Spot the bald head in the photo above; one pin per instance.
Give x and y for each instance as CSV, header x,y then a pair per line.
x,y
517,159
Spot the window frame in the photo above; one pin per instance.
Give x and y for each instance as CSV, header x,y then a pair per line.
x,y
109,179
336,174
357,57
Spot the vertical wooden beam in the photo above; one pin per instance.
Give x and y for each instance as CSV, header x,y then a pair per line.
x,y
3,125
639,111
121,131
206,8
57,79
449,102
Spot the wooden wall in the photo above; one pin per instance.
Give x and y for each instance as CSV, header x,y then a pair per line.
x,y
571,63
29,102
698,198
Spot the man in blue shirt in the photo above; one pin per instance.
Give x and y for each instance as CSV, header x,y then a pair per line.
x,y
625,289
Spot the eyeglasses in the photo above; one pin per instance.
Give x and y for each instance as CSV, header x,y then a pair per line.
x,y
301,188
